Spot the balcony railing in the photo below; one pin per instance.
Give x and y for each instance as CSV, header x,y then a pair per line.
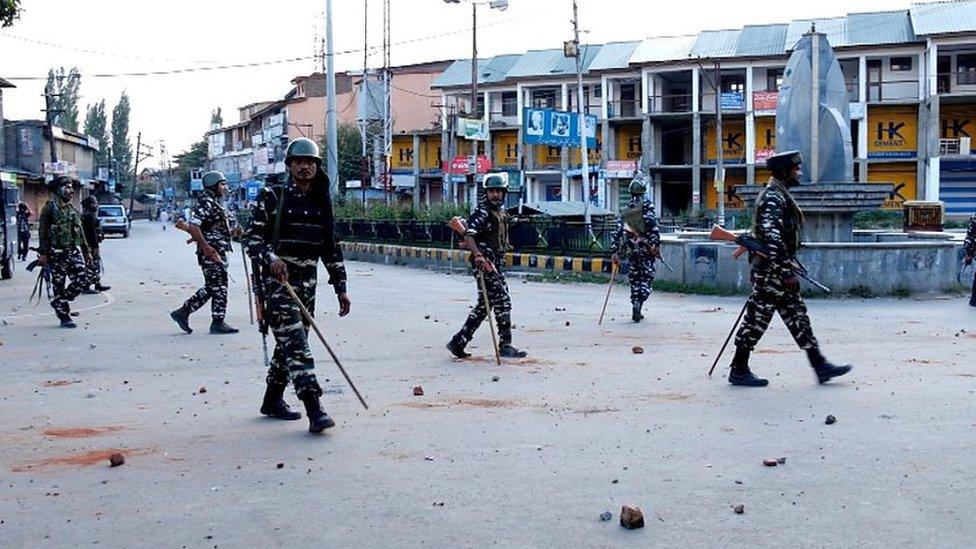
x,y
624,108
670,103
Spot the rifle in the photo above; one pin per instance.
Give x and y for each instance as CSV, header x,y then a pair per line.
x,y
748,243
655,251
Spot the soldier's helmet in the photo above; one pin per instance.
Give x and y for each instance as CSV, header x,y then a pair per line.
x,y
496,181
783,162
303,147
637,186
212,179
55,184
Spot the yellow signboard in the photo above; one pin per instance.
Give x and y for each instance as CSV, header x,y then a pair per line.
x,y
505,149
547,157
904,175
765,138
732,201
733,142
594,154
892,132
402,155
629,145
957,121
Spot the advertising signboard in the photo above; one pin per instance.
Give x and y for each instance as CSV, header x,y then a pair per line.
x,y
893,132
556,128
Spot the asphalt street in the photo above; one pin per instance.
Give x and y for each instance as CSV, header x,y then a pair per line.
x,y
581,426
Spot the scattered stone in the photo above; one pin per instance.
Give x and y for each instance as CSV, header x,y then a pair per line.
x,y
606,516
280,465
426,317
781,460
739,509
418,391
495,378
631,517
94,345
567,323
615,481
830,420
637,350
116,459
202,390
770,462
428,458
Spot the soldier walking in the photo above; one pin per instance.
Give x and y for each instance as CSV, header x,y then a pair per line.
x,y
209,228
292,228
969,250
62,246
23,231
93,236
775,286
487,238
638,237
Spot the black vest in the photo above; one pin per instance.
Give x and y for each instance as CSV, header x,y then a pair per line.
x,y
303,223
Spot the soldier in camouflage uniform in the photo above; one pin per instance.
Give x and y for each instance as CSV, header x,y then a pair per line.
x,y
62,245
93,236
487,238
775,286
292,229
641,243
209,228
969,250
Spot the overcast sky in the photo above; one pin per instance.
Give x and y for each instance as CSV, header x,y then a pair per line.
x,y
124,36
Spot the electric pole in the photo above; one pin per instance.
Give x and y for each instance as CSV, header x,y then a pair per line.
x,y
719,146
135,171
584,151
50,113
330,117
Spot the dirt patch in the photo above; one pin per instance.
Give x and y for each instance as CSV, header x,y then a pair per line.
x,y
922,361
963,375
775,351
715,310
60,382
537,331
595,410
399,456
665,397
82,432
464,402
87,459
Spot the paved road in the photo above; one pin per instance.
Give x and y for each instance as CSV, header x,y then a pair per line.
x,y
582,426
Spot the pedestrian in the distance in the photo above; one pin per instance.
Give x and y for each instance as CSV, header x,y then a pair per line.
x,y
23,231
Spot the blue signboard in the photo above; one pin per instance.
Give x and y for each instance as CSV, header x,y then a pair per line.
x,y
556,128
196,184
253,187
169,192
733,101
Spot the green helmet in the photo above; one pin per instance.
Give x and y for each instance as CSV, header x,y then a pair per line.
x,y
303,147
496,181
212,179
638,187
59,181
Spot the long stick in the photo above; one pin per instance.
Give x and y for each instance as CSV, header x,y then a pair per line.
x,y
491,319
311,321
613,275
247,284
734,326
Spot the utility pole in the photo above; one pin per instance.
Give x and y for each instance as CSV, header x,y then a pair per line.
x,y
584,151
473,160
50,113
330,117
387,105
135,172
719,146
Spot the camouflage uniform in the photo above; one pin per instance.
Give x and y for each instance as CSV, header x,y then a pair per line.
x,y
778,224
62,240
93,236
297,228
969,249
211,217
641,271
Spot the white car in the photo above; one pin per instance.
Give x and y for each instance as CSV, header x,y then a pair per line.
x,y
113,219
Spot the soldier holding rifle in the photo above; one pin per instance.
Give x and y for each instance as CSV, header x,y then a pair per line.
x,y
638,237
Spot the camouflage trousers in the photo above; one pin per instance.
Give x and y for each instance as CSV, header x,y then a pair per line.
x,y
94,272
64,265
501,304
214,288
770,296
292,359
641,276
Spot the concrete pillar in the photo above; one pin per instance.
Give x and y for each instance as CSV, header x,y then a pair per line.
x,y
750,129
696,146
930,190
862,125
489,146
564,154
416,172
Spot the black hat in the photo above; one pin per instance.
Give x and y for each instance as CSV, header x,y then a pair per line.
x,y
60,181
784,161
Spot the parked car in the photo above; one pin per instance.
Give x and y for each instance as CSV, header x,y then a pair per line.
x,y
113,219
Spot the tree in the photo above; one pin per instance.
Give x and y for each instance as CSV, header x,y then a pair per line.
x,y
9,12
64,87
96,125
350,151
121,147
195,158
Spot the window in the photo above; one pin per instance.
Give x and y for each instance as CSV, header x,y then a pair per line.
x,y
598,91
544,99
509,103
733,83
901,64
966,68
774,79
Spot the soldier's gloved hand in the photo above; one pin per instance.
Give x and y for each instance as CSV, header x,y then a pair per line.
x,y
210,253
42,260
280,271
615,259
792,283
344,304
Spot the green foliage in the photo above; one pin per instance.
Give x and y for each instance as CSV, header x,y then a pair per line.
x,y
121,147
348,207
901,292
861,291
64,87
96,125
9,12
443,212
879,219
693,289
193,159
350,151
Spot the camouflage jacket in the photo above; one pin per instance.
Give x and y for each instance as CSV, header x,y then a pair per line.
x,y
298,228
488,226
969,245
625,244
59,228
211,217
778,224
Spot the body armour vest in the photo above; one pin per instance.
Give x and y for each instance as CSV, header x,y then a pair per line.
x,y
66,230
300,224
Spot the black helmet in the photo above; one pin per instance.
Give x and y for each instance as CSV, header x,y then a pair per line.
x,y
303,147
638,187
781,163
59,181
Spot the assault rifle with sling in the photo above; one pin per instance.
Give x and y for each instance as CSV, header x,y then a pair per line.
x,y
748,243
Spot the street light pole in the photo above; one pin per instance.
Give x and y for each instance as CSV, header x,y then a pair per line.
x,y
584,151
330,117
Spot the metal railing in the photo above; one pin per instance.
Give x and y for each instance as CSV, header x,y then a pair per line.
x,y
624,108
670,103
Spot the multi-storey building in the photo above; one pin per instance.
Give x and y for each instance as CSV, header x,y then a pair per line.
x,y
911,76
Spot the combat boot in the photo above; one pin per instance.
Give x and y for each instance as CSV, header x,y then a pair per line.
x,y
636,313
221,327
508,351
318,420
457,347
66,321
100,288
89,291
741,375
825,370
182,317
274,404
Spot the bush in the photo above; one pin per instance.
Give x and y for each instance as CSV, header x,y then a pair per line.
x,y
879,219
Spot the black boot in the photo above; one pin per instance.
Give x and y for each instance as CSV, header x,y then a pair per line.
x,y
274,404
66,321
318,420
457,347
506,350
825,370
100,288
741,374
182,317
636,313
972,298
89,291
221,327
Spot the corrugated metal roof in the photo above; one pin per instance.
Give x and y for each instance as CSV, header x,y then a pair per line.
x,y
884,27
663,48
761,40
551,63
614,56
490,71
712,44
943,17
5,84
835,28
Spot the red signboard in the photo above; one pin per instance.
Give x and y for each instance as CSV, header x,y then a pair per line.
x,y
764,100
461,166
763,154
